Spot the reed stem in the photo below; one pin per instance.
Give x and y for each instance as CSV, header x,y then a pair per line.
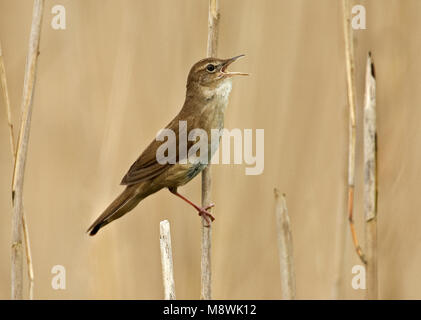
x,y
22,150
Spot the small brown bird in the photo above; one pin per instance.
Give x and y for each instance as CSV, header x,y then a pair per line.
x,y
208,88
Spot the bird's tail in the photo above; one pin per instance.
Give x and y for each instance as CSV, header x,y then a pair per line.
x,y
125,202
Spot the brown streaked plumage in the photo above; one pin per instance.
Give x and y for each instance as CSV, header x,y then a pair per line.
x,y
208,88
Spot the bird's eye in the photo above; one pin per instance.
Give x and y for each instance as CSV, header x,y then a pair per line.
x,y
210,68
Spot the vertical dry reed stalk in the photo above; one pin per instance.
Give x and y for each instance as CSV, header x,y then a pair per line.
x,y
286,258
28,257
22,150
350,72
206,273
5,91
3,81
166,260
370,179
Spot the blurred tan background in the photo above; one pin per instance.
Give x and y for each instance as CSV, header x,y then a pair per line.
x,y
117,75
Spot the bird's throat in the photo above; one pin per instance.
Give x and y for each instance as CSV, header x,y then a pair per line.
x,y
220,92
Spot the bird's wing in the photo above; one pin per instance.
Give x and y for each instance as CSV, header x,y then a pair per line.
x,y
147,166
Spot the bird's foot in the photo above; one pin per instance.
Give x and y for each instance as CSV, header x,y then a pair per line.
x,y
206,215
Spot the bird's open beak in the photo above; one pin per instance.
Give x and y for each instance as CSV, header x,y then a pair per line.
x,y
230,73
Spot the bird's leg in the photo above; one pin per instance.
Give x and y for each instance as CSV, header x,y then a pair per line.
x,y
202,211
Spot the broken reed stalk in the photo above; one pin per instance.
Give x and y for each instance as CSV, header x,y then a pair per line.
x,y
28,252
370,179
206,272
166,260
22,150
350,72
286,258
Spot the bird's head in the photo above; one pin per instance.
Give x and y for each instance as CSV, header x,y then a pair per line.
x,y
211,72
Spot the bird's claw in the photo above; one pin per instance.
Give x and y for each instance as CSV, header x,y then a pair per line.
x,y
206,215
